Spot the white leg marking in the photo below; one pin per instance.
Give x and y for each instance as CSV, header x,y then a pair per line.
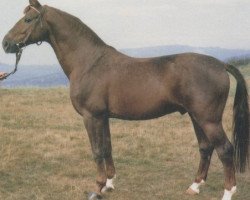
x,y
109,185
195,186
229,193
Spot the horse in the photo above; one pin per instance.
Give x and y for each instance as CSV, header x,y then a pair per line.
x,y
104,84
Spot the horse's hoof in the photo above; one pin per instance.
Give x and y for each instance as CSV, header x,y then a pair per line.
x,y
94,196
107,189
194,188
109,186
189,191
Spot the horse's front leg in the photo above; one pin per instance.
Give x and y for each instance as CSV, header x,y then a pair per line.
x,y
96,131
110,168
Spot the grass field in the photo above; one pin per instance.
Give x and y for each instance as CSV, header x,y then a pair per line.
x,y
45,153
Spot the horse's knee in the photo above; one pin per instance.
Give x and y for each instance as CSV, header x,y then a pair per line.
x,y
206,151
98,155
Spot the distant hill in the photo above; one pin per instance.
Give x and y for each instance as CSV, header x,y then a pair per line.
x,y
35,76
239,61
53,76
217,52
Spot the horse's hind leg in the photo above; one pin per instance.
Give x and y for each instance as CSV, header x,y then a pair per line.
x,y
206,150
217,137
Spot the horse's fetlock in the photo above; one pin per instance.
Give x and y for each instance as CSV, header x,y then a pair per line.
x,y
101,183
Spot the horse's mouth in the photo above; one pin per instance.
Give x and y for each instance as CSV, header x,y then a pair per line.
x,y
11,47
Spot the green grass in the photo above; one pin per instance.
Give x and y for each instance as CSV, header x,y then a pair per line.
x,y
45,153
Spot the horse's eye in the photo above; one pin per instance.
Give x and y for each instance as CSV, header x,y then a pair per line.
x,y
27,20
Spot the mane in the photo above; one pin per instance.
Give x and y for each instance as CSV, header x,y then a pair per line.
x,y
79,27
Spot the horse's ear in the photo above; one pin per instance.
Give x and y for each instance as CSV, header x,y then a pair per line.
x,y
26,9
35,3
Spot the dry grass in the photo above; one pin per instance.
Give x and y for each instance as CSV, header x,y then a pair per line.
x,y
45,153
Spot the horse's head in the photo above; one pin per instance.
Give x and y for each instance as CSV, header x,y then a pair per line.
x,y
28,30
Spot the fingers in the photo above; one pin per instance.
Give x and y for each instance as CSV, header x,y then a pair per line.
x,y
2,75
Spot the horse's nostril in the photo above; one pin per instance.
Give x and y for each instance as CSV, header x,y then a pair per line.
x,y
5,43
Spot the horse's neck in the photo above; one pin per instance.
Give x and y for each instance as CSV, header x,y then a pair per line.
x,y
75,45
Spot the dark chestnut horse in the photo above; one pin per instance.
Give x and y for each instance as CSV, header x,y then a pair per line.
x,y
105,83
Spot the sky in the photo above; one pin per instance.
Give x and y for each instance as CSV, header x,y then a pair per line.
x,y
143,23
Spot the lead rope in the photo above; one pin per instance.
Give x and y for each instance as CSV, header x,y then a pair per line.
x,y
18,57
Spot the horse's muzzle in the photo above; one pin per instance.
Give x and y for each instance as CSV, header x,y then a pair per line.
x,y
10,46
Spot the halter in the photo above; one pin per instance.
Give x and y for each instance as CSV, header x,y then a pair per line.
x,y
35,9
20,50
39,17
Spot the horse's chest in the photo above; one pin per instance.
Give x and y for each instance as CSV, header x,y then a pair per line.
x,y
87,100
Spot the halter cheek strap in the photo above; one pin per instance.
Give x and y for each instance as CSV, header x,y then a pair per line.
x,y
39,17
32,7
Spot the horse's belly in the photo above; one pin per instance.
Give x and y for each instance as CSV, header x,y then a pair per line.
x,y
137,100
142,110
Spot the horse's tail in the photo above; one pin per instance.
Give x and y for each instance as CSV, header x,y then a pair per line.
x,y
240,121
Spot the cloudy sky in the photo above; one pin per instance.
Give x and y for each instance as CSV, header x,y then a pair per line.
x,y
140,23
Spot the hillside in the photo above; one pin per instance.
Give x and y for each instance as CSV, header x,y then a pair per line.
x,y
35,76
53,76
217,52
